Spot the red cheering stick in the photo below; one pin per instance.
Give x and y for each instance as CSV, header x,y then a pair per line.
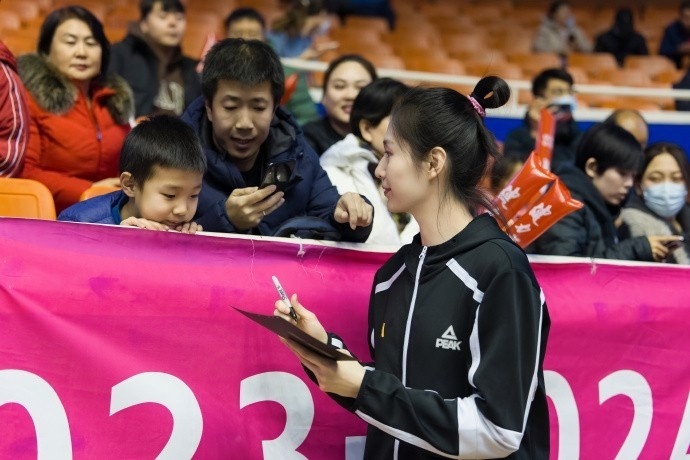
x,y
543,147
208,44
526,183
553,205
290,87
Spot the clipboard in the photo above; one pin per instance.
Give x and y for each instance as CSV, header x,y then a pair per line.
x,y
287,330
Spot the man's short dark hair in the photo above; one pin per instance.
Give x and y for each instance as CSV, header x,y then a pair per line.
x,y
145,6
164,141
541,81
249,62
244,13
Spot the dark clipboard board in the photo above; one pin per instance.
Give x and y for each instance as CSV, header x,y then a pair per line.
x,y
289,331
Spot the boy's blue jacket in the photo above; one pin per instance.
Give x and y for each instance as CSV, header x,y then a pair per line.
x,y
309,193
96,210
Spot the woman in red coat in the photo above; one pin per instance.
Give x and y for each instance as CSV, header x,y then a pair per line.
x,y
79,119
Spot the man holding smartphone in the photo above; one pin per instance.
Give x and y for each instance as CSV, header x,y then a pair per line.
x,y
551,88
244,131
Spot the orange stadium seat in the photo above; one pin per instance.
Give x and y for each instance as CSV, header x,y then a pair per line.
x,y
9,20
435,64
592,62
623,77
26,10
96,190
580,75
366,22
631,103
533,63
385,61
505,70
653,64
25,198
21,41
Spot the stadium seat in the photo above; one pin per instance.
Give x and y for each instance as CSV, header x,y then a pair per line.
x,y
25,198
9,20
96,190
623,77
505,70
377,24
533,63
436,65
648,105
592,62
26,9
652,64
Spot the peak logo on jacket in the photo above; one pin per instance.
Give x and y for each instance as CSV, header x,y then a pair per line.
x,y
448,340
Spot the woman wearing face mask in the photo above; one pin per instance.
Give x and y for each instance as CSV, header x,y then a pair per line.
x,y
658,206
606,162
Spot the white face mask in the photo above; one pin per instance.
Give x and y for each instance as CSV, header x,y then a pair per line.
x,y
566,99
665,199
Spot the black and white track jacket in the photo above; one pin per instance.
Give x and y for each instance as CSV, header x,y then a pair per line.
x,y
458,334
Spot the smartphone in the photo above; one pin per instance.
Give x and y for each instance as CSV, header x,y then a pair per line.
x,y
278,174
675,244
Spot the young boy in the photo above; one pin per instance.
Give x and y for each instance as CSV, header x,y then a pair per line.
x,y
162,167
243,131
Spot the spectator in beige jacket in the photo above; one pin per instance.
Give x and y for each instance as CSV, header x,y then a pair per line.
x,y
559,34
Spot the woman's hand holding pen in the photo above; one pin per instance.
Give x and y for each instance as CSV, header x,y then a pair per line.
x,y
339,377
307,321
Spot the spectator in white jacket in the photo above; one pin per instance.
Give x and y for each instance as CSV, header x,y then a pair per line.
x,y
350,163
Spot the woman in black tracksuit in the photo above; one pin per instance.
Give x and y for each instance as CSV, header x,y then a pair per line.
x,y
457,322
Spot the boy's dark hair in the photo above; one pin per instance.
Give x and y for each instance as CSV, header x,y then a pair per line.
x,y
249,62
165,141
60,15
611,146
541,81
374,102
244,13
348,58
145,7
425,118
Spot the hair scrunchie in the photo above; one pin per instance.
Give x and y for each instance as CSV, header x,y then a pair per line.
x,y
477,106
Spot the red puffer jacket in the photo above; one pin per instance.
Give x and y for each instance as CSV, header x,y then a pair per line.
x,y
73,141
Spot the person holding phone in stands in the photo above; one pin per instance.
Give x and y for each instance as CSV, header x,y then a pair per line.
x,y
659,205
553,89
250,141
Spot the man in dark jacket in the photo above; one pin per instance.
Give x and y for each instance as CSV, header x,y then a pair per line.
x,y
553,89
150,59
675,44
622,40
262,176
602,176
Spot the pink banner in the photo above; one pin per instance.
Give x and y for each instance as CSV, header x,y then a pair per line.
x,y
121,343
